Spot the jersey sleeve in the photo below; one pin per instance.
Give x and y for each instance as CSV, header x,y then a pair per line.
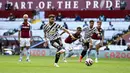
x,y
80,38
60,27
20,27
30,28
43,27
86,31
87,35
84,28
102,32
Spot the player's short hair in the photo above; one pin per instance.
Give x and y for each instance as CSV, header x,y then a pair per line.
x,y
99,21
79,28
91,21
51,15
25,16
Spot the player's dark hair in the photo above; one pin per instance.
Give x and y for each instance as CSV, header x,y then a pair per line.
x,y
91,21
51,15
79,28
99,21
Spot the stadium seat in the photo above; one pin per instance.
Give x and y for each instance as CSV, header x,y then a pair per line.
x,y
122,19
64,20
72,25
108,19
113,19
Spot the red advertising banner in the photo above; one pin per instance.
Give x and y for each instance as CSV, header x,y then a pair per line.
x,y
117,54
64,4
38,52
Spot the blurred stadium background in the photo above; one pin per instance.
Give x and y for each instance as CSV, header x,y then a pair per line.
x,y
115,15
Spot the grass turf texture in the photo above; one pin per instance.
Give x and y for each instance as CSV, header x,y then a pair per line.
x,y
10,64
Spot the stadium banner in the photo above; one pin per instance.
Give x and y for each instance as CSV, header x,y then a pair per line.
x,y
114,54
64,4
77,52
39,52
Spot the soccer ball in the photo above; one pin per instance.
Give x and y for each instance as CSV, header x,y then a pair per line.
x,y
89,62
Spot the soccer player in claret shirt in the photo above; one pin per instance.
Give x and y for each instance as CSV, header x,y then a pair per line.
x,y
24,38
51,32
69,43
97,39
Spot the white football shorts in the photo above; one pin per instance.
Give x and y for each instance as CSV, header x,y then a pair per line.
x,y
24,42
95,42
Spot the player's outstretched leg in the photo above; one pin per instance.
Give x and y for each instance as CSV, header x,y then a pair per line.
x,y
90,47
57,57
21,54
68,54
60,49
27,54
65,56
88,52
96,57
83,53
97,52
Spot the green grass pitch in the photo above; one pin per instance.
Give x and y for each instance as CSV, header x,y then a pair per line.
x,y
10,64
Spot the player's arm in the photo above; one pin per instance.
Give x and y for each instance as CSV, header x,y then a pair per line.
x,y
19,35
81,40
87,35
84,28
102,37
31,33
65,30
19,31
62,33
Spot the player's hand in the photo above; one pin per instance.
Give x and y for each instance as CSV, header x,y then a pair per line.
x,y
70,49
85,41
98,35
31,41
46,40
101,43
